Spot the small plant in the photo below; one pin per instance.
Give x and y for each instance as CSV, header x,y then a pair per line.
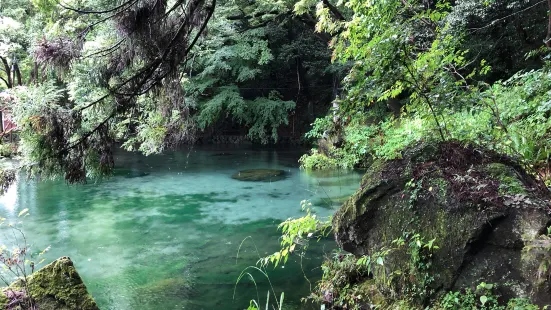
x,y
483,298
320,128
296,234
420,254
16,261
340,285
7,150
349,282
253,305
414,187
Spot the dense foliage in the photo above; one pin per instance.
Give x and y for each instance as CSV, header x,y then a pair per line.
x,y
151,75
421,72
369,78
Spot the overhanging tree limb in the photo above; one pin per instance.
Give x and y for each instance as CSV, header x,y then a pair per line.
x,y
548,37
338,15
117,8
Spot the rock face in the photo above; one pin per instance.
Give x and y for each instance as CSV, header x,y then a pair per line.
x,y
56,286
260,175
480,207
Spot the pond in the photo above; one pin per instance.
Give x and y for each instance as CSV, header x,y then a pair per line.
x,y
165,231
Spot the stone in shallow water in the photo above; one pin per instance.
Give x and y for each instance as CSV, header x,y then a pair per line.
x,y
260,175
56,286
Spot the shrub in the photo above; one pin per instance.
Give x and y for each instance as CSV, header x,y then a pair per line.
x,y
317,161
7,150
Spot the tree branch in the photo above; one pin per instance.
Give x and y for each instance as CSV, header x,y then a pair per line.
x,y
338,15
548,37
127,3
8,71
203,26
505,17
107,50
6,82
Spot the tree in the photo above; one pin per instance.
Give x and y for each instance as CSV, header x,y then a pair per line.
x,y
248,47
14,42
121,65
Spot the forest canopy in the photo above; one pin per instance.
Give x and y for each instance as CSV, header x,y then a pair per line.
x,y
371,76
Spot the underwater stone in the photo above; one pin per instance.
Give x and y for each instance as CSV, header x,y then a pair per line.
x,y
260,175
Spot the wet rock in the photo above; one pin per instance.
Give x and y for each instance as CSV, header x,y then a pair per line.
x,y
482,208
56,286
260,175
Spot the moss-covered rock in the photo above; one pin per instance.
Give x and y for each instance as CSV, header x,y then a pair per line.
x,y
260,175
56,286
479,206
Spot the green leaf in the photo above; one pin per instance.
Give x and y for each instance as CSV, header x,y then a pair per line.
x,y
483,299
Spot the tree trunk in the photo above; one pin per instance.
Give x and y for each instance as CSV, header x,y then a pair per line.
x,y
17,74
548,38
303,90
9,81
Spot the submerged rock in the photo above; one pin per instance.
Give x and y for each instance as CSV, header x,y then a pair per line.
x,y
176,287
130,173
260,175
481,208
56,286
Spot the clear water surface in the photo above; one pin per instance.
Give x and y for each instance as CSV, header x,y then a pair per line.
x,y
164,232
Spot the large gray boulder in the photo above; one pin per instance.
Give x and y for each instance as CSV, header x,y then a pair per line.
x,y
481,208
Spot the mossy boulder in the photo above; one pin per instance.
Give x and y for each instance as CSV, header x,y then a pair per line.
x,y
260,175
481,208
56,286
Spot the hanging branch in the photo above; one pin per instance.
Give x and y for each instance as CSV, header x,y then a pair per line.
x,y
117,8
338,15
548,37
149,76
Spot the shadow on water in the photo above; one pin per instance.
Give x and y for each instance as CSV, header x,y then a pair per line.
x,y
164,232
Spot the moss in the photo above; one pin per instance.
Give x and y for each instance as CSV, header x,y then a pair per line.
x,y
7,150
58,286
373,174
369,289
509,182
3,301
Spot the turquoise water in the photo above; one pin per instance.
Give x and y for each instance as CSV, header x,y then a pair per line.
x,y
164,232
